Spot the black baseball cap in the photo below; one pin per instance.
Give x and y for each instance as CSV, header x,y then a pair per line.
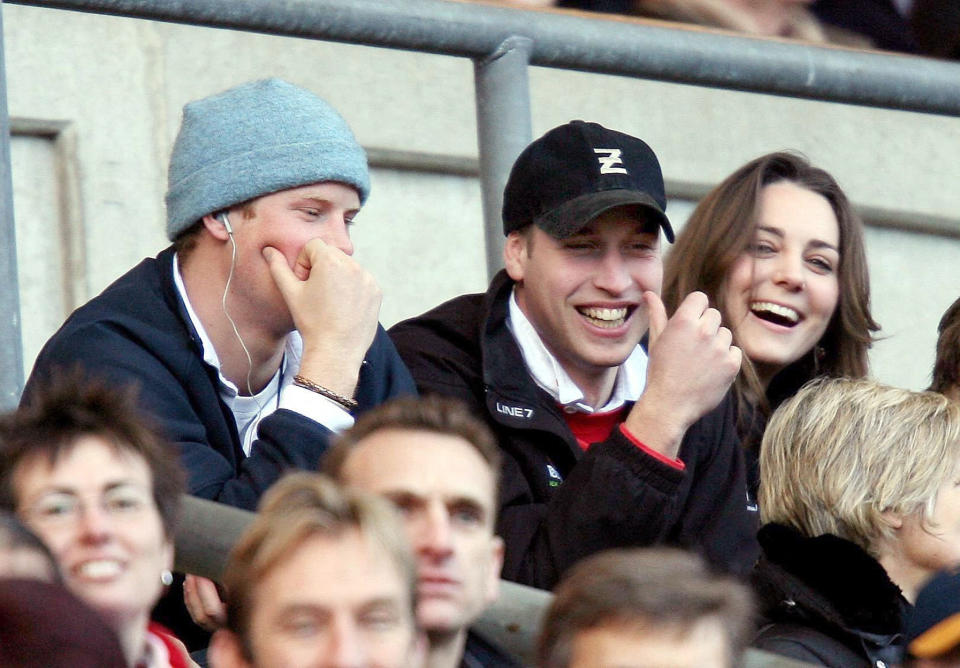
x,y
578,171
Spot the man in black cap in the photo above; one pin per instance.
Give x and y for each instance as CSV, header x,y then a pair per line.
x,y
605,443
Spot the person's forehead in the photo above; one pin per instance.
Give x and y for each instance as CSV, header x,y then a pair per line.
x,y
346,571
333,191
622,220
421,462
89,464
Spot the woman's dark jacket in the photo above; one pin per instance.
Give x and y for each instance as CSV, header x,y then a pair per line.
x,y
825,601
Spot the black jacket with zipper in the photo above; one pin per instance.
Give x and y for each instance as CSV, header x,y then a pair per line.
x,y
825,601
559,503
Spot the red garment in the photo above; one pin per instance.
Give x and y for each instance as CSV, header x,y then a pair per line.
x,y
591,428
175,651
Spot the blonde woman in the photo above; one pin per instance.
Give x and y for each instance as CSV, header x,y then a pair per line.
x,y
860,499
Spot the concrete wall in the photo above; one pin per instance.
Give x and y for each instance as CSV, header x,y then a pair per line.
x,y
96,104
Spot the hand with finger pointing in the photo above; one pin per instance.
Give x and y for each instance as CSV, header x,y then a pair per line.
x,y
692,365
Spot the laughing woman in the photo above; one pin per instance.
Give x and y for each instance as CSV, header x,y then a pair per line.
x,y
101,490
779,251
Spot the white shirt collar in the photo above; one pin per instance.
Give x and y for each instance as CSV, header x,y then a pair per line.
x,y
247,411
548,373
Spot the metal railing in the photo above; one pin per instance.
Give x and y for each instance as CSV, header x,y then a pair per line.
x,y
503,43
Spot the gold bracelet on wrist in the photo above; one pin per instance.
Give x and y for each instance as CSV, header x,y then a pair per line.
x,y
307,384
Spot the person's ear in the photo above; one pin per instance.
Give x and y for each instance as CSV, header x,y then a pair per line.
x,y
892,519
495,566
515,254
215,227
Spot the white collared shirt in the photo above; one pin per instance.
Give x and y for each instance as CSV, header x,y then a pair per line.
x,y
549,374
280,392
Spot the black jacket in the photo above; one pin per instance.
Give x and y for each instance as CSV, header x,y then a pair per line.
x,y
137,331
479,652
826,601
559,503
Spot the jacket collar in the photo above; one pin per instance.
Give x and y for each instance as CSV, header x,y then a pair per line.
x,y
513,398
830,577
171,296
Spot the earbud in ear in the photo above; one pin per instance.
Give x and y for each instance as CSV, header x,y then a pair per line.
x,y
226,222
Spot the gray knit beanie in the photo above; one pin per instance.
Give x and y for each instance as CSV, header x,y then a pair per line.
x,y
253,140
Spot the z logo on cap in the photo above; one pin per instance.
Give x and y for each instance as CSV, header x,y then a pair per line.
x,y
609,161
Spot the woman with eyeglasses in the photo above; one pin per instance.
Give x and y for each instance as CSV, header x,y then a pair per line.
x,y
101,489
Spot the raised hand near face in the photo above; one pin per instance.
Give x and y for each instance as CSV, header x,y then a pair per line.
x,y
692,365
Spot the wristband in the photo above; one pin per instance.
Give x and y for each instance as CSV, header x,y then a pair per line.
x,y
307,384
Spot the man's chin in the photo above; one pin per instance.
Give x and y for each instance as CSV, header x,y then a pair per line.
x,y
439,616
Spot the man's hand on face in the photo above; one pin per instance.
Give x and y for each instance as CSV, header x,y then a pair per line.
x,y
692,364
335,304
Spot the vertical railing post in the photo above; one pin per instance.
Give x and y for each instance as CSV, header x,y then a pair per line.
x,y
503,130
11,345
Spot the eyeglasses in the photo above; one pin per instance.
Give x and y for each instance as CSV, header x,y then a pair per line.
x,y
62,508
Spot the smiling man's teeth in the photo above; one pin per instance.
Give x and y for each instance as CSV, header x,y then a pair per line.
x,y
605,317
784,312
100,568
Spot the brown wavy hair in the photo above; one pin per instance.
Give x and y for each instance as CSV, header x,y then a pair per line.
x,y
946,369
719,231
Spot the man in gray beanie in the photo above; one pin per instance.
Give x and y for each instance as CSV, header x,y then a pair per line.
x,y
254,337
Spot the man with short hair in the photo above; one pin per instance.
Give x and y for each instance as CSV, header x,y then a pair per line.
x,y
254,337
322,577
605,443
645,607
439,465
946,368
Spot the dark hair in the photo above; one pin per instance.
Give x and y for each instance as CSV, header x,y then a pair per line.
x,y
656,587
186,241
946,368
433,413
720,230
68,406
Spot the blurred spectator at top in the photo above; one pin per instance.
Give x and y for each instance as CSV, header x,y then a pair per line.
x,y
773,18
946,368
645,607
860,505
101,488
933,626
925,27
767,18
936,27
885,23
